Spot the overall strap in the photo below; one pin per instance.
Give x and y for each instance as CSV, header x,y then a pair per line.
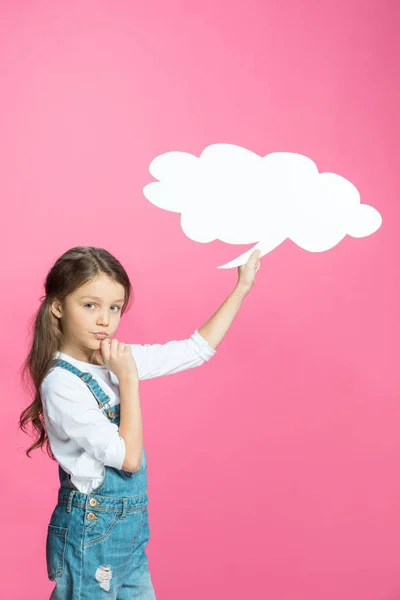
x,y
102,399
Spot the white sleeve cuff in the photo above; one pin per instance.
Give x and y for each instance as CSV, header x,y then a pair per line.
x,y
202,346
114,454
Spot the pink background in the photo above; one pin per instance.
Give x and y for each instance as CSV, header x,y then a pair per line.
x,y
274,468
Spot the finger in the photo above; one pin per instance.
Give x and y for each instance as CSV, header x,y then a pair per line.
x,y
114,348
121,349
105,349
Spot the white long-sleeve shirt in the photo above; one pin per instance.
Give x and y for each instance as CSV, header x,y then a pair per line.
x,y
81,437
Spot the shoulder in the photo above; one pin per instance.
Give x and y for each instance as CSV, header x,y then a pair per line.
x,y
59,376
67,399
60,383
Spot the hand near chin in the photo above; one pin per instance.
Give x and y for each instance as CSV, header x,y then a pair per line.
x,y
116,357
97,358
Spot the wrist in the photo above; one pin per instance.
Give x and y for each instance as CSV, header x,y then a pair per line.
x,y
129,378
241,290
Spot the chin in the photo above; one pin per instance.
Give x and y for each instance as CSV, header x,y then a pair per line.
x,y
96,343
92,343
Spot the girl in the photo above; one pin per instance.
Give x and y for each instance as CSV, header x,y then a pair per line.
x,y
86,410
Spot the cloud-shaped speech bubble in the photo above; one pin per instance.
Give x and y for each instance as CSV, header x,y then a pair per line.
x,y
234,195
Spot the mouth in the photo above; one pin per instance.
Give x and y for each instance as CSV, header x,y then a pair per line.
x,y
101,336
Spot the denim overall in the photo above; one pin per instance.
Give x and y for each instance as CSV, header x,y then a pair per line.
x,y
96,543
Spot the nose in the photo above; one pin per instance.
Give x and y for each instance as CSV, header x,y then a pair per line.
x,y
103,319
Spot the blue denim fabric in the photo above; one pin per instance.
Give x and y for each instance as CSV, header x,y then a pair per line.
x,y
96,543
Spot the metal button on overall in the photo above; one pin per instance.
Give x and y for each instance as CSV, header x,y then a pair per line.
x,y
93,502
111,414
91,516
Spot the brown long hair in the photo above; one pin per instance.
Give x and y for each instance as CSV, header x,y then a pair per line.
x,y
74,268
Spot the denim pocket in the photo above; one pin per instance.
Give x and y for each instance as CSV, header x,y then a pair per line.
x,y
55,547
118,534
99,528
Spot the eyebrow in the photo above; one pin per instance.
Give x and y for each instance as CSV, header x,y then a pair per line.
x,y
97,298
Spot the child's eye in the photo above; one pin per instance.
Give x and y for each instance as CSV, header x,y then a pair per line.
x,y
92,304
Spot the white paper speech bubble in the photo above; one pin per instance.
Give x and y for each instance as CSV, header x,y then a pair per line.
x,y
234,195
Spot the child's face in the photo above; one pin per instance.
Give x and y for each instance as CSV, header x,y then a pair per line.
x,y
92,308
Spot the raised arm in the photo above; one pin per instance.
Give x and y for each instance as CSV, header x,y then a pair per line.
x,y
214,330
155,360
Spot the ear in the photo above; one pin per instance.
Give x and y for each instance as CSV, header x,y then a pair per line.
x,y
56,309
